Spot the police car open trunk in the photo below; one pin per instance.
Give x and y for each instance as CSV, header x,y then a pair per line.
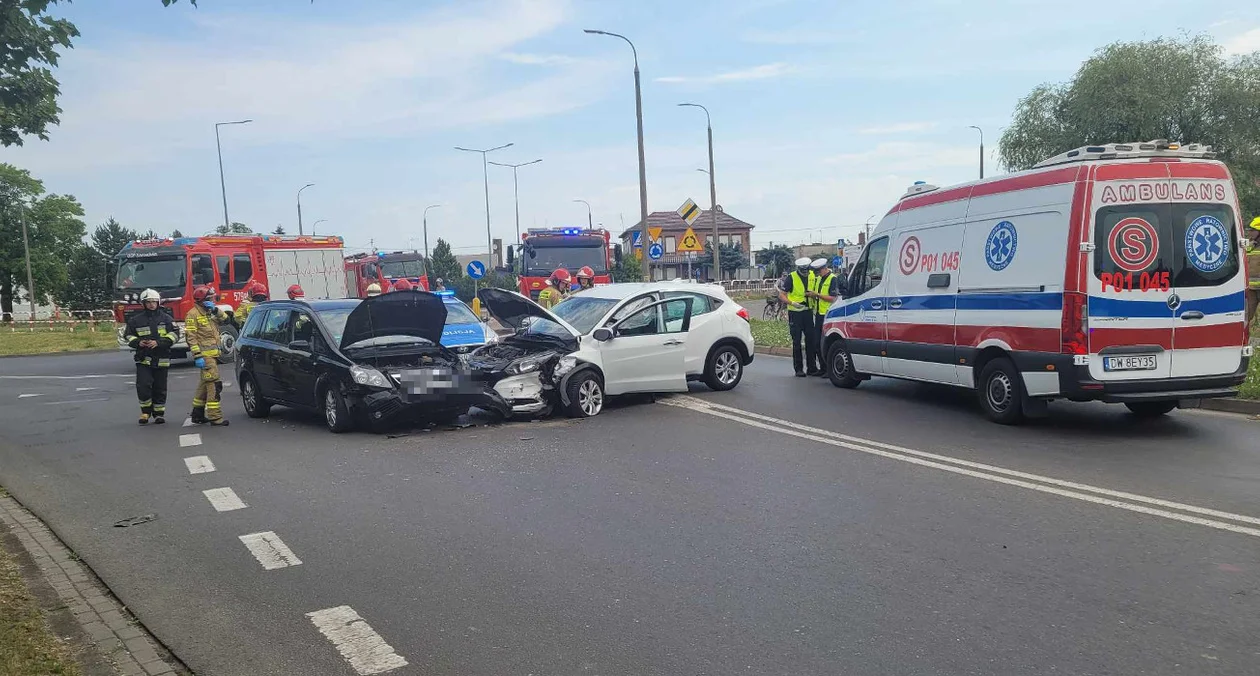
x,y
1164,277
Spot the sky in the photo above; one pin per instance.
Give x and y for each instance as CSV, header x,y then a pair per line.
x,y
823,111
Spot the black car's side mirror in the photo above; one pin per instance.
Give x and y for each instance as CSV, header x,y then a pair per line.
x,y
300,346
602,334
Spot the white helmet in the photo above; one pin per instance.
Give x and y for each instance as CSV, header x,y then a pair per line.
x,y
819,263
802,262
150,294
373,289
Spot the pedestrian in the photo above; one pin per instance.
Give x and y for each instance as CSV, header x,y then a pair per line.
x,y
151,332
792,289
823,292
373,290
201,325
296,292
255,293
557,288
586,278
1253,271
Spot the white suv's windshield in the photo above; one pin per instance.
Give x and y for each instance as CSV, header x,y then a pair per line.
x,y
583,313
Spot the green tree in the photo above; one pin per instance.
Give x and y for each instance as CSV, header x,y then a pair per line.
x,y
629,269
777,259
54,227
88,280
176,233
233,229
1180,90
28,90
110,237
444,264
730,256
278,231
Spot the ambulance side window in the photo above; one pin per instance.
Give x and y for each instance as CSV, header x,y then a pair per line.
x,y
869,270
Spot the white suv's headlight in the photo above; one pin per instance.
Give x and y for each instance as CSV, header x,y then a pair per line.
x,y
370,377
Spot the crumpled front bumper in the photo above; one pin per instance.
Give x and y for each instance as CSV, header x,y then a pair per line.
x,y
524,394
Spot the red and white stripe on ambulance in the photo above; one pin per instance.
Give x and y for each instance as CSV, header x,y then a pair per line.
x,y
1164,276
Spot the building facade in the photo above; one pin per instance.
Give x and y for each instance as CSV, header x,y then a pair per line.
x,y
675,264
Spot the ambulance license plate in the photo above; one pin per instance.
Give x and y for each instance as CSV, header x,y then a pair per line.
x,y
1140,362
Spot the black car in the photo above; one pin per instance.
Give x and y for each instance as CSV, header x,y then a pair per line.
x,y
373,362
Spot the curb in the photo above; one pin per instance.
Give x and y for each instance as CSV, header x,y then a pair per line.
x,y
773,351
105,624
1231,405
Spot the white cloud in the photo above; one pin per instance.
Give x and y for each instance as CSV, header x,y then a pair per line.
x,y
1243,43
762,72
898,128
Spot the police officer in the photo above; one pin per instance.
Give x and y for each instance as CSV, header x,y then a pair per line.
x,y
151,332
1253,270
822,293
255,293
202,326
792,289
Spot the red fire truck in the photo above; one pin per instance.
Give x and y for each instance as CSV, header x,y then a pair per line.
x,y
174,267
542,250
384,269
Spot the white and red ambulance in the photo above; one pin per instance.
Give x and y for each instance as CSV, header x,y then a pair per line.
x,y
1110,273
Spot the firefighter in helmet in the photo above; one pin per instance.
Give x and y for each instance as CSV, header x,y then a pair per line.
x,y
151,332
296,293
585,277
557,288
255,293
373,290
403,285
202,326
1253,270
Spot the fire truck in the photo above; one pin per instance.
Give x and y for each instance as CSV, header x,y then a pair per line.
x,y
542,250
174,267
384,269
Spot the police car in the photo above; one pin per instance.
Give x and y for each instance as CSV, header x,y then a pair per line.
x,y
463,331
1108,273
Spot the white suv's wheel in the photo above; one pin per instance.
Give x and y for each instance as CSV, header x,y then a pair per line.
x,y
724,370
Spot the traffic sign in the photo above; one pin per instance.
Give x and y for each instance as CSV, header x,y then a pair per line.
x,y
636,239
656,251
837,262
654,234
689,241
476,269
689,211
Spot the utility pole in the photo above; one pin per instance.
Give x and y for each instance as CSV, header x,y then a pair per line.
x,y
30,279
516,192
223,184
589,225
426,232
299,207
717,247
485,175
981,148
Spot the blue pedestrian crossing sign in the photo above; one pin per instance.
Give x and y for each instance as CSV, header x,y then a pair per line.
x,y
636,239
656,251
476,269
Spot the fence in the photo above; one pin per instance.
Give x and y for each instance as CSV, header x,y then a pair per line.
x,y
60,320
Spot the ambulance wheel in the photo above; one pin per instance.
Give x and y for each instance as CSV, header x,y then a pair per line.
x,y
840,367
1001,392
1150,409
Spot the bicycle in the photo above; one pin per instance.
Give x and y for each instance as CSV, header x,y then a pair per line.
x,y
775,310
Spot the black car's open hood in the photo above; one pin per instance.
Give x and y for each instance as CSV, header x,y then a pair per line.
x,y
399,313
512,309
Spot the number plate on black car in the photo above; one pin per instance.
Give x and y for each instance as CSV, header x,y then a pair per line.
x,y
1137,362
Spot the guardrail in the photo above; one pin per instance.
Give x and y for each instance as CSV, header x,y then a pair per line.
x,y
61,320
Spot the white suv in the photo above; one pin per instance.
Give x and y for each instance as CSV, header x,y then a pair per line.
x,y
610,340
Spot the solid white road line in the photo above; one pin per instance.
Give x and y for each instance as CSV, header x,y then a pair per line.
x,y
224,499
989,472
199,464
189,440
101,375
24,396
270,550
362,647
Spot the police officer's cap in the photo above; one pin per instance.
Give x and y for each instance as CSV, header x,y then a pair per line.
x,y
819,263
802,262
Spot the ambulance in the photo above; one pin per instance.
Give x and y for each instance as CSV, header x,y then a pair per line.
x,y
1109,273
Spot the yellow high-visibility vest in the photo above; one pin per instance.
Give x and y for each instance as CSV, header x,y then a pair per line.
x,y
822,285
799,287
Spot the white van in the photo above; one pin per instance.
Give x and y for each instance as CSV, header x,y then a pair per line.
x,y
1110,273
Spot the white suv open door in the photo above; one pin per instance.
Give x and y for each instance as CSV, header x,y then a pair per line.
x,y
645,351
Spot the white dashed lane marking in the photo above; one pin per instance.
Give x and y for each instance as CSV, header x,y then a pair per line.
x,y
189,440
362,647
224,499
24,396
84,389
270,550
199,464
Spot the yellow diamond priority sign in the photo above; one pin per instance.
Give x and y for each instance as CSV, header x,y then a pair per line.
x,y
689,242
689,211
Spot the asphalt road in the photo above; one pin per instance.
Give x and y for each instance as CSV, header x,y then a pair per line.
x,y
785,527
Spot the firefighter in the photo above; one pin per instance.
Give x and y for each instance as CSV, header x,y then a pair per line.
x,y
202,327
1253,270
403,285
585,277
557,288
373,290
255,293
823,291
151,332
296,293
792,290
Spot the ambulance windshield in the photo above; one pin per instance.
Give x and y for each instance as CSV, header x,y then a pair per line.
x,y
1193,243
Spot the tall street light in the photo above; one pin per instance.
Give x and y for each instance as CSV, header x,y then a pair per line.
x,y
485,175
299,205
222,184
981,148
717,254
516,193
426,232
638,112
316,223
588,214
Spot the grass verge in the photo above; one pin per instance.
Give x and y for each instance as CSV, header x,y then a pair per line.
x,y
770,333
27,645
45,342
1251,386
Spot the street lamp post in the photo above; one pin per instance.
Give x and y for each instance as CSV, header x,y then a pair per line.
x,y
223,184
322,220
516,192
485,175
981,148
426,232
588,214
638,112
30,279
299,207
717,249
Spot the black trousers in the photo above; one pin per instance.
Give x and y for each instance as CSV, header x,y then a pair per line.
x,y
151,389
818,342
804,340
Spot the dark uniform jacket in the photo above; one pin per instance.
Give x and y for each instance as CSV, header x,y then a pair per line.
x,y
156,325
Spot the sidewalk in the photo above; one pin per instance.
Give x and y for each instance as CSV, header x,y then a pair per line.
x,y
77,605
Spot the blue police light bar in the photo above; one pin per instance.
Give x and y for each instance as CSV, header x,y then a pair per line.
x,y
445,293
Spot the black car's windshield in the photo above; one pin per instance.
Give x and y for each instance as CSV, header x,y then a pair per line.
x,y
335,321
402,268
583,313
166,272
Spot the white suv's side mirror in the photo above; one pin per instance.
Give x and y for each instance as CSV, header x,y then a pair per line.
x,y
602,334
